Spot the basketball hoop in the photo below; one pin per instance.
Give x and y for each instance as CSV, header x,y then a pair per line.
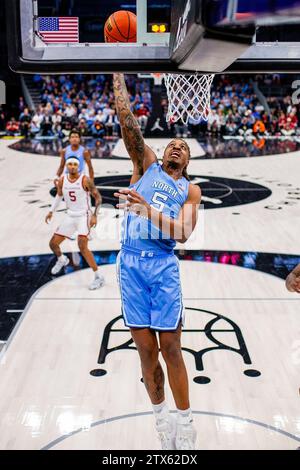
x,y
188,96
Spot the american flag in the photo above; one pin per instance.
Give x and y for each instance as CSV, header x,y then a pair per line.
x,y
59,29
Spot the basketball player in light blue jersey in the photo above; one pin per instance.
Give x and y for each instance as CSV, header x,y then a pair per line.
x,y
161,207
74,149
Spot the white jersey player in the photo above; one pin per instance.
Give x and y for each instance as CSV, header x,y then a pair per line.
x,y
75,189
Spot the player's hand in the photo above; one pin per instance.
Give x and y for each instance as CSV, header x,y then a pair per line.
x,y
134,202
48,217
293,283
55,181
93,221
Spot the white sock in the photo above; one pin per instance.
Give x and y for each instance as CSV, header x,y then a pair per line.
x,y
160,411
97,273
184,416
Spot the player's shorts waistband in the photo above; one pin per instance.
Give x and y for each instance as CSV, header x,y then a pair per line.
x,y
75,214
146,253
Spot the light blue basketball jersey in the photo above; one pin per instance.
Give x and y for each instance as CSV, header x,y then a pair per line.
x,y
75,153
165,194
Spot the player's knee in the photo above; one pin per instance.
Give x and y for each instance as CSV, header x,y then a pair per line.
x,y
53,245
82,245
171,352
148,356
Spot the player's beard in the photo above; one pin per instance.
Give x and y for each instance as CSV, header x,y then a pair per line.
x,y
173,165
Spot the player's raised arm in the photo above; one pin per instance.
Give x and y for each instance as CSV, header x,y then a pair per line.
x,y
141,155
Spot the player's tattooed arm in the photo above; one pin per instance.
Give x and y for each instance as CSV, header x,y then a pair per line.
x,y
142,156
90,186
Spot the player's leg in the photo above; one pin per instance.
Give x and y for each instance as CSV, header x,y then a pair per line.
x,y
167,316
65,230
132,273
55,243
153,376
170,345
154,380
62,260
90,259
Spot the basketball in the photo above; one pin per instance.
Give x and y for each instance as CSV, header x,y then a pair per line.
x,y
120,27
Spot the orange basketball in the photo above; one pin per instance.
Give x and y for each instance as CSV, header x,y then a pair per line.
x,y
120,27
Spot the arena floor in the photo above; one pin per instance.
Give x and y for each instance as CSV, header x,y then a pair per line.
x,y
69,374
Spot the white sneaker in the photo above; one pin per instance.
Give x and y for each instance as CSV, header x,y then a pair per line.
x,y
60,263
185,437
166,429
97,283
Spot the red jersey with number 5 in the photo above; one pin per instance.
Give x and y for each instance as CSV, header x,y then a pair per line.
x,y
76,197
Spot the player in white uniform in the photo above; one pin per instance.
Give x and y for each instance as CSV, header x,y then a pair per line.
x,y
75,188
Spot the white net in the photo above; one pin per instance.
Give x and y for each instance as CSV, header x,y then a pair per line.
x,y
189,96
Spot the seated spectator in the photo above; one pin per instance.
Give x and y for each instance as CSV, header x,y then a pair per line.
x,y
83,128
112,123
98,129
213,122
46,126
25,122
288,129
36,121
57,121
12,127
142,113
259,128
245,128
230,126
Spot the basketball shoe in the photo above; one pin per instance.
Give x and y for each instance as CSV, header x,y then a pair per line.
x,y
97,283
166,428
186,434
60,263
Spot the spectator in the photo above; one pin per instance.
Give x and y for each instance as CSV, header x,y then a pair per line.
x,y
142,113
12,127
98,129
46,126
25,122
112,124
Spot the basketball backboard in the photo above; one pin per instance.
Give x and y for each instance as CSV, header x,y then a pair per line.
x,y
209,36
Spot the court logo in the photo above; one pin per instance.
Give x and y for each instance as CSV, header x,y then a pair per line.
x,y
208,327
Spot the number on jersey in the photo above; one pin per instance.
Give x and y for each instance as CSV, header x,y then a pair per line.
x,y
159,200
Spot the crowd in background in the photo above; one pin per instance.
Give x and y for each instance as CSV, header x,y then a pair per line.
x,y
87,102
237,110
